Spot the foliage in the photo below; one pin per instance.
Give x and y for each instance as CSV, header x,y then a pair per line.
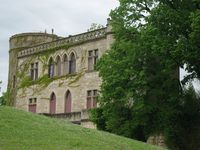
x,y
2,99
21,130
98,118
43,81
8,97
183,126
95,26
140,73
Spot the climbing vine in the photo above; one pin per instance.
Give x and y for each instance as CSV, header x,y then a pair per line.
x,y
44,80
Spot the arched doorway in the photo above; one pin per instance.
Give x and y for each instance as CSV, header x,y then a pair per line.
x,y
68,102
52,109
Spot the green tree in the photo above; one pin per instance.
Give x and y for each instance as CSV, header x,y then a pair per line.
x,y
3,99
183,131
140,83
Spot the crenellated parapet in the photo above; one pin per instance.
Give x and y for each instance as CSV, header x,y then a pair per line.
x,y
71,40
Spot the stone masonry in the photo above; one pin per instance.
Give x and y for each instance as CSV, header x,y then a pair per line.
x,y
30,48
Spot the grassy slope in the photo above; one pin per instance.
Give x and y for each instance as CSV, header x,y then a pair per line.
x,y
22,130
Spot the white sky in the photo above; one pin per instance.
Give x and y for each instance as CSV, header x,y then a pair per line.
x,y
66,17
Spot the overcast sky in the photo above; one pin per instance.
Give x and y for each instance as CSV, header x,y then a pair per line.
x,y
66,17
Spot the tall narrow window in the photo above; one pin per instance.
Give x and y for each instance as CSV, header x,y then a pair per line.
x,y
14,81
58,66
51,68
91,99
95,56
94,98
92,59
32,71
36,70
65,64
72,63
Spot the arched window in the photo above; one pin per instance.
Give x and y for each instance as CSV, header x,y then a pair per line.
x,y
68,102
72,63
52,106
51,68
58,66
65,65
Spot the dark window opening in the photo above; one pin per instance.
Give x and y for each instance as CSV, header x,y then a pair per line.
x,y
58,66
92,59
34,71
72,64
65,69
14,81
51,68
91,99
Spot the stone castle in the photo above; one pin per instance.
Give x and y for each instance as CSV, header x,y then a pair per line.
x,y
55,76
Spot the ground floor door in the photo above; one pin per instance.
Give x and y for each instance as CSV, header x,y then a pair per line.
x,y
32,108
53,104
68,102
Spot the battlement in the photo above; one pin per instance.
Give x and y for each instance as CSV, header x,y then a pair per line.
x,y
26,40
75,39
32,34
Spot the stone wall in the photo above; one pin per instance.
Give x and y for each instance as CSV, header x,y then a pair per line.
x,y
18,43
157,140
78,84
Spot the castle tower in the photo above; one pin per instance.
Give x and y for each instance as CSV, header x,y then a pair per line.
x,y
17,43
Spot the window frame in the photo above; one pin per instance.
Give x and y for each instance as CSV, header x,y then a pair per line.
x,y
51,68
34,68
93,56
91,99
72,63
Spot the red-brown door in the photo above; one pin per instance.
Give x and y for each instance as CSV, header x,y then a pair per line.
x,y
32,108
89,101
53,104
68,102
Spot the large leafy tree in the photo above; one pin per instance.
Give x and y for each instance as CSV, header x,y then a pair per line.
x,y
183,126
140,73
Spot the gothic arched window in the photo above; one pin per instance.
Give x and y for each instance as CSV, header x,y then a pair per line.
x,y
51,68
65,65
58,66
72,63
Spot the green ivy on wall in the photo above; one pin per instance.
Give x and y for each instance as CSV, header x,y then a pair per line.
x,y
43,81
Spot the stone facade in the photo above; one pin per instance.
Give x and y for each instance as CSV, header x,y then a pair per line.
x,y
157,140
27,49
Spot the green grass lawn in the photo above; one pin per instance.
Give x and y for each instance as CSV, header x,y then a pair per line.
x,y
25,131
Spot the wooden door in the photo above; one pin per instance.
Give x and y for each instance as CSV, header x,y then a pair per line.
x,y
53,104
68,102
32,108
